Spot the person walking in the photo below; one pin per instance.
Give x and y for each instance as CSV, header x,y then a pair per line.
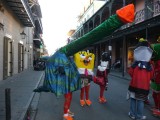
x,y
141,73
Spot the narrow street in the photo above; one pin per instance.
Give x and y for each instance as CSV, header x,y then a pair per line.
x,y
117,107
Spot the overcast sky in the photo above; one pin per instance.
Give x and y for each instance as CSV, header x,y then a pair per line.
x,y
58,17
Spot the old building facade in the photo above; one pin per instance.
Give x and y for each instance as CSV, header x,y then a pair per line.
x,y
19,25
122,42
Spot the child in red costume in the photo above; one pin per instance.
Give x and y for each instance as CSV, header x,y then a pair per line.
x,y
141,73
102,71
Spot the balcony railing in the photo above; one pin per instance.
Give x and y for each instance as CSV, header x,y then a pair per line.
x,y
151,10
156,8
29,11
139,16
22,10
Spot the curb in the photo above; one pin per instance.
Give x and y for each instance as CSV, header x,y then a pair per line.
x,y
27,107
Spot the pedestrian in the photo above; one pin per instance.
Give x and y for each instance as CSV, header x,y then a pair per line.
x,y
85,64
155,83
102,72
141,73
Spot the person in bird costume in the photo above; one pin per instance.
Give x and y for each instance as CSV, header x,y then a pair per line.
x,y
61,74
155,83
102,71
85,64
141,73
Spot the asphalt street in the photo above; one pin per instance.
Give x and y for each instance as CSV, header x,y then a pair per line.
x,y
116,108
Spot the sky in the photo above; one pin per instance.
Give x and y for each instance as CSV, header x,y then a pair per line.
x,y
58,17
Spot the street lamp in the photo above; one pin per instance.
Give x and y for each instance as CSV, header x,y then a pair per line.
x,y
23,34
110,49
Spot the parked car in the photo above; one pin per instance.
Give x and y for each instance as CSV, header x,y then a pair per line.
x,y
39,65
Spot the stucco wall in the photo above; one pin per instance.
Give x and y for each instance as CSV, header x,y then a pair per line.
x,y
12,29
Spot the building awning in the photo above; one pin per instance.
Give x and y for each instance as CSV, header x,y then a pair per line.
x,y
22,10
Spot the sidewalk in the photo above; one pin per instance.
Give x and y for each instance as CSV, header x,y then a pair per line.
x,y
120,74
21,86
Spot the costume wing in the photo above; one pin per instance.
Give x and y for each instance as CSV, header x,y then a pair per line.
x,y
61,75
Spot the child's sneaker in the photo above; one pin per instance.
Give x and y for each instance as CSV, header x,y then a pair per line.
x,y
67,118
102,100
88,102
82,103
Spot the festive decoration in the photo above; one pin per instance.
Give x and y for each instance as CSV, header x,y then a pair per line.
x,y
122,16
61,74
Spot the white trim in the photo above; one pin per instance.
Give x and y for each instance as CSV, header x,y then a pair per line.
x,y
37,39
21,42
8,36
82,71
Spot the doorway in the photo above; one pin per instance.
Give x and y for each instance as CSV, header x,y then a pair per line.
x,y
7,58
20,57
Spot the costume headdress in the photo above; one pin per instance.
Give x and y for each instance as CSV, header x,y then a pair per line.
x,y
142,54
105,56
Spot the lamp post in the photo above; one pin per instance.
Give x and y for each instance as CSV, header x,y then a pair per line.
x,y
110,49
23,34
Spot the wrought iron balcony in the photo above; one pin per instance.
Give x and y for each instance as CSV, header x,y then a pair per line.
x,y
38,25
156,8
22,10
140,16
151,10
